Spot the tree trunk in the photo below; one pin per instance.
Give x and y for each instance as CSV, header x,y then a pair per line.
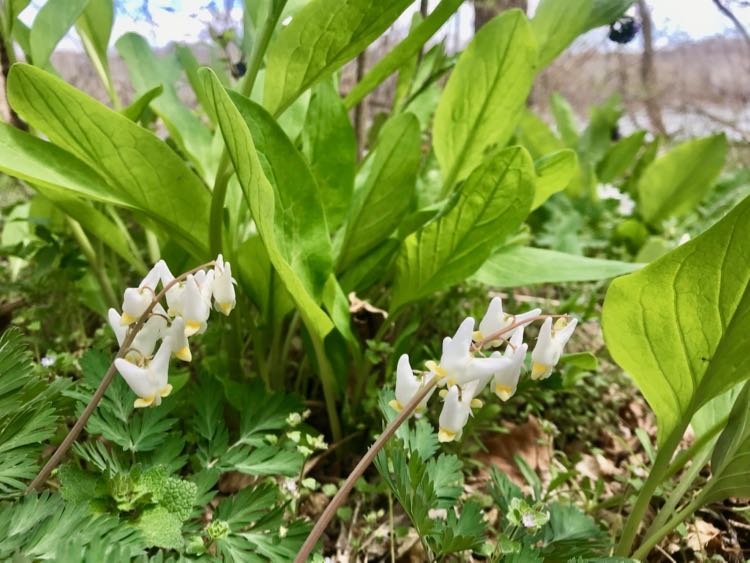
x,y
485,10
648,73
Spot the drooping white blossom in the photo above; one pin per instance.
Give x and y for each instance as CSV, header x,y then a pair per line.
x,y
506,378
223,286
408,385
549,346
495,320
137,299
455,414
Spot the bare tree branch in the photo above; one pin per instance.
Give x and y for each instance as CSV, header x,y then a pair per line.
x,y
724,9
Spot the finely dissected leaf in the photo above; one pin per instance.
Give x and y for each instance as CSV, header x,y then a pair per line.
x,y
247,506
679,326
260,198
517,266
621,157
677,181
492,204
556,24
95,28
321,37
485,94
50,25
299,214
140,168
385,189
147,72
330,145
729,463
553,173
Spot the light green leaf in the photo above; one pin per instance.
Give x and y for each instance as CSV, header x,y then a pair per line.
x,y
330,145
729,466
517,266
485,95
95,28
190,65
556,24
492,203
402,52
679,326
583,360
146,72
677,181
299,211
536,136
50,25
261,200
565,119
139,168
620,157
605,12
321,37
553,173
134,111
385,189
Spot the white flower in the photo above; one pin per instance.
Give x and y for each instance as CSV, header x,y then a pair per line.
x,y
455,414
48,361
495,320
145,341
150,382
196,302
506,378
549,346
137,299
180,346
457,364
408,385
528,520
223,286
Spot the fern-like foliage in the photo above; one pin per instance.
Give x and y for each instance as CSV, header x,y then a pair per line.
x,y
28,414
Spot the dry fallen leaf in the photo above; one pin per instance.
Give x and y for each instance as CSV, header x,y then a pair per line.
x,y
356,305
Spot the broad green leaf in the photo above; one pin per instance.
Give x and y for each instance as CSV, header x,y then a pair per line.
x,y
95,28
190,65
372,268
620,157
330,145
134,111
386,192
139,168
146,72
261,200
492,203
677,181
565,119
517,266
553,172
679,326
729,462
402,52
50,25
299,212
604,12
556,24
321,37
485,95
536,136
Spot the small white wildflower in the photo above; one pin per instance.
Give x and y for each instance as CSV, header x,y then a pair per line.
x,y
438,513
290,485
528,520
48,361
294,419
283,531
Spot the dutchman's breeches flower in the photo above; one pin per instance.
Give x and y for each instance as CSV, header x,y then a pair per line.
x,y
195,306
506,378
549,346
455,414
495,320
408,385
223,286
137,299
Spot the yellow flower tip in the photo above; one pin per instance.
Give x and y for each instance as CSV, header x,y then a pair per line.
x,y
540,371
443,393
165,391
420,409
452,382
226,308
191,327
504,392
477,336
395,405
143,402
446,435
477,403
184,354
561,323
127,319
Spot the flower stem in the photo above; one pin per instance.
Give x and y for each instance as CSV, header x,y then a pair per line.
x,y
673,522
72,435
364,463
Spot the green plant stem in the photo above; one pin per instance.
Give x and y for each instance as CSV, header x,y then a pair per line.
x,y
224,171
139,264
689,453
364,463
655,478
90,254
673,522
72,435
327,379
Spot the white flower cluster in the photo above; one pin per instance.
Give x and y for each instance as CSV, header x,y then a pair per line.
x,y
465,372
188,308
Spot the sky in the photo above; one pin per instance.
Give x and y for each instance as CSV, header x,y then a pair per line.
x,y
187,20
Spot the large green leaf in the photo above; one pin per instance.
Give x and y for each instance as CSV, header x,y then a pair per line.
x,y
386,193
186,128
604,12
485,94
677,181
516,266
730,462
679,327
492,204
50,25
330,146
553,173
402,52
621,157
95,28
139,168
261,199
321,37
299,215
556,24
